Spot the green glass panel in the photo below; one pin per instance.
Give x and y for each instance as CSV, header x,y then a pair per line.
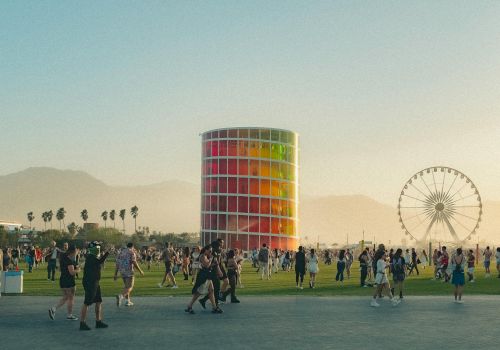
x,y
265,134
265,150
275,135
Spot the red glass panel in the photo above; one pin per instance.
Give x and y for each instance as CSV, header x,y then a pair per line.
x,y
232,148
275,225
243,223
243,204
213,222
222,203
266,240
275,242
215,148
232,166
206,220
222,184
215,134
232,205
214,203
254,168
253,242
208,148
265,205
265,188
222,134
222,222
222,148
206,206
242,148
254,186
253,224
232,185
232,222
243,170
264,224
243,185
213,185
233,133
223,166
253,205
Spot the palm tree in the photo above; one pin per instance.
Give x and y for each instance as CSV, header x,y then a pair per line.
x,y
112,215
50,214
45,218
134,211
73,229
31,217
122,216
84,215
60,215
104,216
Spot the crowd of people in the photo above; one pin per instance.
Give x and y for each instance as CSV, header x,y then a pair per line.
x,y
215,271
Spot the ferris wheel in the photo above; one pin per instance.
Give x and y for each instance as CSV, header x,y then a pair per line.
x,y
440,203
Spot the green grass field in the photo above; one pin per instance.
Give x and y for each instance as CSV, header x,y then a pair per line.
x,y
282,283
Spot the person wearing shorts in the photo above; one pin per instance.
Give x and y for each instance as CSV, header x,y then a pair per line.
x,y
90,281
168,258
125,263
67,283
471,259
487,260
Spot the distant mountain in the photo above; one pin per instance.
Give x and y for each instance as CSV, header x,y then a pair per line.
x,y
173,206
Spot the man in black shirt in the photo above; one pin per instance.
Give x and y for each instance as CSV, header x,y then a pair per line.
x,y
300,267
91,278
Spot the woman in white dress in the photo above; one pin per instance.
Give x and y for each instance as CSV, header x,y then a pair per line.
x,y
382,281
424,258
313,268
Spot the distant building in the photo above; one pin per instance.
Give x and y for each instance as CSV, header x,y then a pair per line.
x,y
89,226
10,225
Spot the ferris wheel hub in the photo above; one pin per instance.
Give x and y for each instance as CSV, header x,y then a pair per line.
x,y
439,207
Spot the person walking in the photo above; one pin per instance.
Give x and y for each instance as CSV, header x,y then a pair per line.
x,y
126,262
471,260
67,283
195,263
232,275
300,267
363,266
313,268
349,259
487,260
91,277
168,257
497,256
185,263
458,279
263,258
414,262
424,259
398,272
340,267
382,282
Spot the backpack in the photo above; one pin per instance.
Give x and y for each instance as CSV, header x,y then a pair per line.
x,y
397,266
263,255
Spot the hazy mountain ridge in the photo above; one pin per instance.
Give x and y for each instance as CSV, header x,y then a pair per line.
x,y
173,206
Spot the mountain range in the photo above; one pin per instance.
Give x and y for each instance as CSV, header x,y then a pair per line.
x,y
173,206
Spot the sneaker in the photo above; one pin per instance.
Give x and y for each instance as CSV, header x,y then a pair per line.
x,y
72,318
460,301
129,303
395,302
119,299
84,326
189,310
374,303
297,286
100,324
160,285
301,287
175,286
310,284
217,310
202,303
473,281
52,313
235,301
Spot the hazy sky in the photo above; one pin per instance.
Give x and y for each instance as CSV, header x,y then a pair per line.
x,y
377,90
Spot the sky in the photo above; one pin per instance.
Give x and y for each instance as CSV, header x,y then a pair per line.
x,y
376,90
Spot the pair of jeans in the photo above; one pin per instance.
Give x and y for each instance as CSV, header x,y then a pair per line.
x,y
299,274
51,269
364,273
340,271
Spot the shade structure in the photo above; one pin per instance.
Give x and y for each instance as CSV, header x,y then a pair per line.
x,y
249,193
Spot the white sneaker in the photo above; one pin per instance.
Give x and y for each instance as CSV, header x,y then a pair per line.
x,y
160,285
175,286
395,302
460,301
52,313
72,318
473,281
374,303
129,303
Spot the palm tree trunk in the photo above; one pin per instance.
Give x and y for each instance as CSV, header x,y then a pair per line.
x,y
135,224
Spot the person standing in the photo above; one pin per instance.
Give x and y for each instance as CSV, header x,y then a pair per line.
x,y
239,261
349,259
91,277
264,262
363,266
445,260
398,272
300,267
458,278
185,263
340,267
52,261
471,260
126,261
67,283
424,259
487,260
313,268
497,256
195,263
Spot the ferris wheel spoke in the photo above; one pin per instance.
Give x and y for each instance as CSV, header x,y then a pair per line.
x,y
435,185
461,188
450,227
414,198
466,206
463,198
415,187
425,183
414,207
421,222
427,232
413,216
444,178
455,179
466,216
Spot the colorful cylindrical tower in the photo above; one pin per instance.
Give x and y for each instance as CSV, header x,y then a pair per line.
x,y
250,187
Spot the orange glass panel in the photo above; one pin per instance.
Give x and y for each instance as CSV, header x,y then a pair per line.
x,y
275,170
243,169
275,225
265,205
254,149
232,148
254,168
242,148
275,188
275,207
265,188
265,168
254,186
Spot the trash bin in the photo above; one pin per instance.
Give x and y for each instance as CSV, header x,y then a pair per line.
x,y
12,282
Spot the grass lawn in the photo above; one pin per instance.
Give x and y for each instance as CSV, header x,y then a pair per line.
x,y
282,283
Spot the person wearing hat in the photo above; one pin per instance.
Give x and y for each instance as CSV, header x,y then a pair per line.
x,y
67,282
91,278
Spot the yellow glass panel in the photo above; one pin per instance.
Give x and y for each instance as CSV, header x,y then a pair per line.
x,y
275,170
275,188
265,169
254,168
254,149
265,150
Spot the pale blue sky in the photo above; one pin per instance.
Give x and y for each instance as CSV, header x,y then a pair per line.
x,y
377,90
